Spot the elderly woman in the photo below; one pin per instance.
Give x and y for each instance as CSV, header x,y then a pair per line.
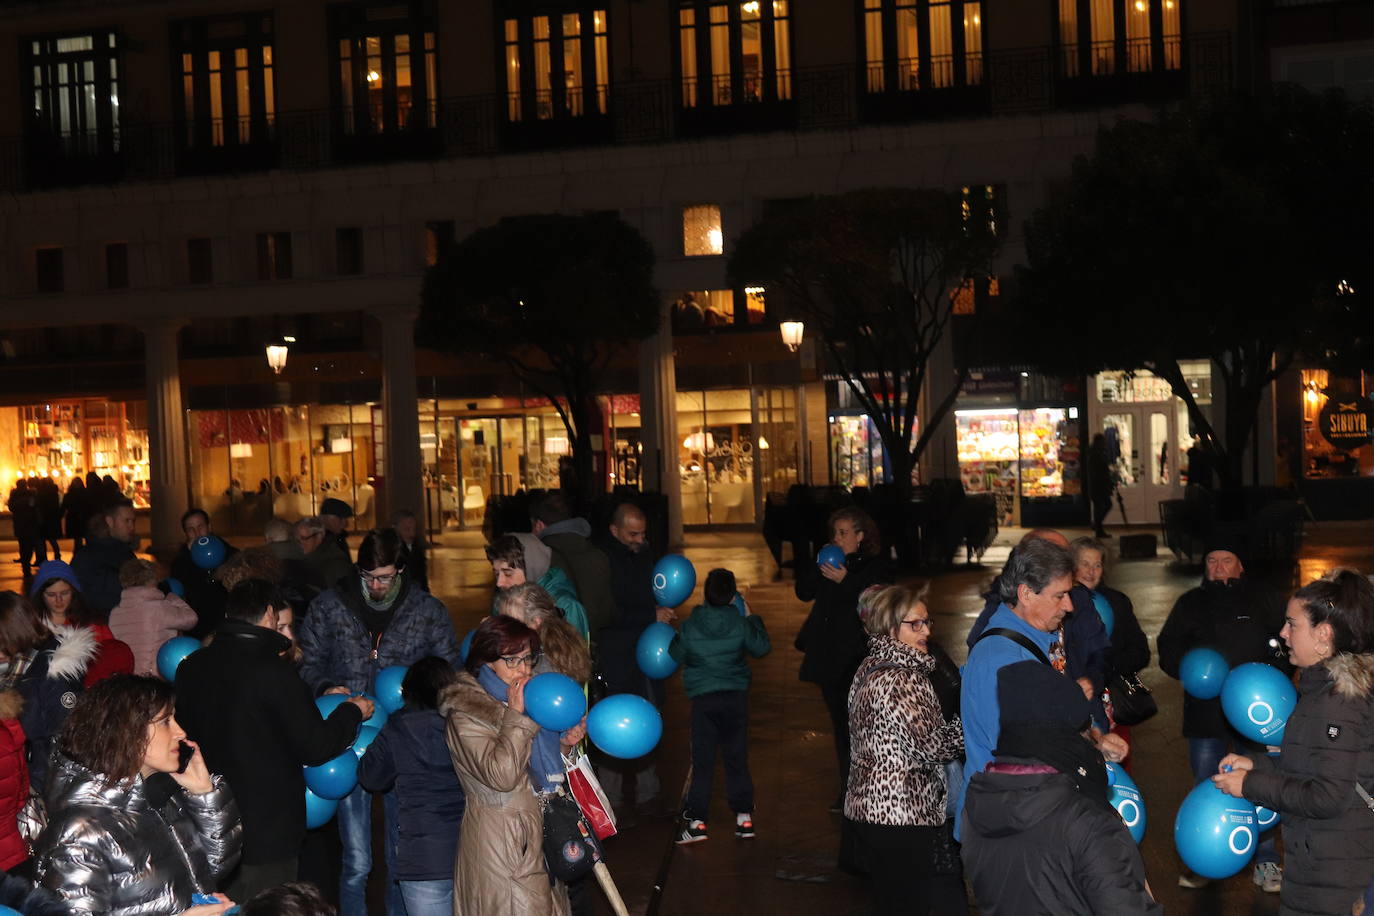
x,y
901,741
500,869
832,638
1328,749
564,650
130,829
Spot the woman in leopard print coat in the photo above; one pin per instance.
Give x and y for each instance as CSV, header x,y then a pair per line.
x,y
900,743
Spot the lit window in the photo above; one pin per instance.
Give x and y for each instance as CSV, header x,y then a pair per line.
x,y
274,256
1100,37
704,308
892,37
75,92
712,36
387,68
226,85
701,232
579,85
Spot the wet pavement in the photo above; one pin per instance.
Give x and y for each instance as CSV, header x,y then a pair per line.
x,y
790,866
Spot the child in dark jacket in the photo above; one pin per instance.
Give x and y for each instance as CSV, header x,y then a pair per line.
x,y
712,646
411,754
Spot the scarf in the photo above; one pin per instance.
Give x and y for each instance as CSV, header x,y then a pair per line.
x,y
383,603
546,755
1062,748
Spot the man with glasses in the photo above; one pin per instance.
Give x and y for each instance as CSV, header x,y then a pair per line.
x,y
320,552
366,622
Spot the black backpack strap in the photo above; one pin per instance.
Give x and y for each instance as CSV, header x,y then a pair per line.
x,y
1019,638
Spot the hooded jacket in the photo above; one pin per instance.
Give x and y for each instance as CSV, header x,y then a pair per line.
x,y
112,656
712,645
585,565
145,618
135,847
96,563
337,650
538,569
14,780
50,685
1237,618
1035,846
1328,746
257,725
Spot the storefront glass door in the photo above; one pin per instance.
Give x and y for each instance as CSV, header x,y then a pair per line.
x,y
1142,446
717,457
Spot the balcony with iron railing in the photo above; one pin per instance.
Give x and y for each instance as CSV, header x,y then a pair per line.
x,y
651,111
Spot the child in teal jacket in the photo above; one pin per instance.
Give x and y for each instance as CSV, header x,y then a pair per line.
x,y
711,646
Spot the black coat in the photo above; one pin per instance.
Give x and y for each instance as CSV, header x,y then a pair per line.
x,y
411,757
257,725
96,564
203,592
1328,746
632,592
833,637
1236,619
1033,845
1130,647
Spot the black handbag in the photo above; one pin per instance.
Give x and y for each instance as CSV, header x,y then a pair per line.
x,y
1132,702
571,848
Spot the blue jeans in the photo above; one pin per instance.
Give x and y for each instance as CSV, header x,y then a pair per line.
x,y
355,833
428,898
1204,756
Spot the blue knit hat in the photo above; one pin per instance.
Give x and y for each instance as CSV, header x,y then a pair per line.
x,y
53,569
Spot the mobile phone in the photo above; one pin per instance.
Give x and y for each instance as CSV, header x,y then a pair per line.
x,y
184,754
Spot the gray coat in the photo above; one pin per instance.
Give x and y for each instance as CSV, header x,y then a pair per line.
x,y
136,847
1328,746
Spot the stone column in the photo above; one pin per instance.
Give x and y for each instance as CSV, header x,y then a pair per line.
x,y
658,423
168,477
401,413
941,457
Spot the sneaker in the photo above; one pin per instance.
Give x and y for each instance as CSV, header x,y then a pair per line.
x,y
1269,877
744,826
693,831
1193,880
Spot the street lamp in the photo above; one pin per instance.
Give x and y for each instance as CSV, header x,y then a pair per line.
x,y
276,357
792,334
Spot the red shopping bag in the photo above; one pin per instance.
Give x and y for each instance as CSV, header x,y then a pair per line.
x,y
586,788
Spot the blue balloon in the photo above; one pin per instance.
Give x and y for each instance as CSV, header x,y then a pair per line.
x,y
379,713
625,725
830,555
334,778
1214,833
675,578
5,911
1203,671
1125,797
173,653
1257,700
652,650
174,587
366,735
1104,610
555,701
318,810
1265,817
466,646
389,687
329,702
207,552
739,604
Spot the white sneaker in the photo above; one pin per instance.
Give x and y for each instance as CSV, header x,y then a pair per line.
x,y
1269,877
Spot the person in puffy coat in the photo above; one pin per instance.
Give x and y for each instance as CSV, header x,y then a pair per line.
x,y
832,638
410,756
898,793
1328,750
1040,837
519,558
14,781
127,834
56,592
146,617
500,869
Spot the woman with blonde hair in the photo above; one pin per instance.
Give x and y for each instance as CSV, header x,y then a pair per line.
x,y
565,651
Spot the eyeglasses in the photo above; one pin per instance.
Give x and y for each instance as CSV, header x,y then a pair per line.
x,y
515,661
917,624
378,580
310,537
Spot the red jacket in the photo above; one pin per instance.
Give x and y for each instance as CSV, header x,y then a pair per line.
x,y
14,780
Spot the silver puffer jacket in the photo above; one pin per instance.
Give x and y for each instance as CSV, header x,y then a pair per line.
x,y
136,847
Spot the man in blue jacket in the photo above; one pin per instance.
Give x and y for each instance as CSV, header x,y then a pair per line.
x,y
363,624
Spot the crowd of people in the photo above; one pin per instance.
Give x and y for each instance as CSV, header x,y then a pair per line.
x,y
123,793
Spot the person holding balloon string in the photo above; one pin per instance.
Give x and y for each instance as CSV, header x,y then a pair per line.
x,y
832,639
1320,781
195,564
495,746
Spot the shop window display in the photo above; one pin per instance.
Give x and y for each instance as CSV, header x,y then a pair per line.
x,y
716,457
1049,453
64,440
988,443
1336,425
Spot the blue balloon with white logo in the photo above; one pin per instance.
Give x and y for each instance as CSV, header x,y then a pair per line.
x,y
1125,798
625,725
207,552
1258,699
1203,672
652,650
1266,817
675,578
366,735
319,811
555,701
334,778
1215,834
172,653
830,555
389,687
1104,610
